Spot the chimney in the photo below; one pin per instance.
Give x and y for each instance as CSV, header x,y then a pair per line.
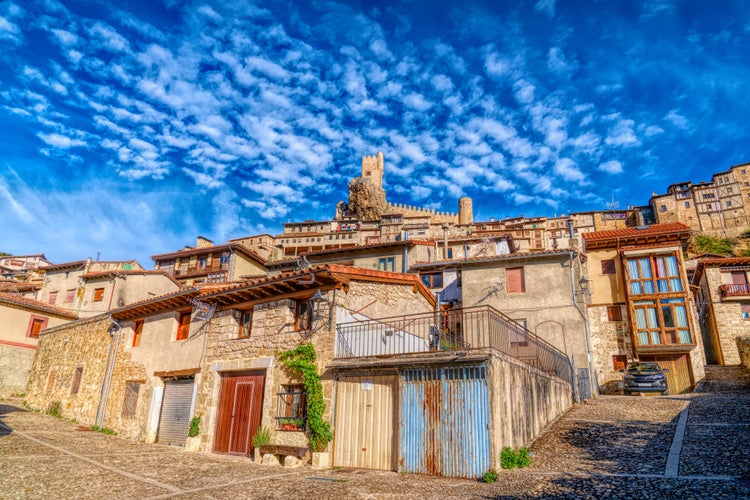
x,y
203,242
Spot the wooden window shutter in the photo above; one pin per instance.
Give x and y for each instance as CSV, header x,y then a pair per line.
x,y
183,327
608,267
614,313
514,279
137,331
98,294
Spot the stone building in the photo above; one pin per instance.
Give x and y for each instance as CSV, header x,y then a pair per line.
x,y
640,306
722,296
720,207
21,321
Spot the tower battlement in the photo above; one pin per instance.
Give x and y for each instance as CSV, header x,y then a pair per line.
x,y
372,169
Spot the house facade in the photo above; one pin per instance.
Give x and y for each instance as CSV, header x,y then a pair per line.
x,y
722,296
640,306
21,321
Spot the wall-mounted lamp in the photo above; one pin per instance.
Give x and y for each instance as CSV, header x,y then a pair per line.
x,y
316,300
584,283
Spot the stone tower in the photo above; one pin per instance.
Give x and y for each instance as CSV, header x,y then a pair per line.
x,y
372,169
465,212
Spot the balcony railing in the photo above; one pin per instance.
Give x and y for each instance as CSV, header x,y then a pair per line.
x,y
734,290
454,330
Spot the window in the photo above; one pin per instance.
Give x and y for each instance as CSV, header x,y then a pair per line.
x,y
514,279
76,380
202,263
69,296
303,315
614,313
98,295
518,335
619,362
246,323
745,310
434,280
52,298
450,253
687,204
291,408
661,322
654,274
130,401
183,326
387,264
708,196
137,332
36,325
663,208
729,204
608,266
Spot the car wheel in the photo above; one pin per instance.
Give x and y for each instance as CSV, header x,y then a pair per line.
x,y
627,393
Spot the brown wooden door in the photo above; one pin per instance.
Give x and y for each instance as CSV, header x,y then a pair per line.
x,y
739,278
240,405
679,377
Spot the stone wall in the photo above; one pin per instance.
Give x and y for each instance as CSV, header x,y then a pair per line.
x,y
727,316
86,344
607,340
523,402
743,347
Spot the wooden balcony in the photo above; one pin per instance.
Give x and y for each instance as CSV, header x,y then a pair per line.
x,y
734,291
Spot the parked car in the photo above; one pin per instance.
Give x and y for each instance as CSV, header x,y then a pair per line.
x,y
644,377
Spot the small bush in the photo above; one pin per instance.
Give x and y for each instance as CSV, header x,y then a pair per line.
x,y
195,427
490,476
104,430
714,244
54,409
514,459
262,437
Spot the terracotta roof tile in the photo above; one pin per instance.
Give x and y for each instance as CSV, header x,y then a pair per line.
x,y
634,232
17,300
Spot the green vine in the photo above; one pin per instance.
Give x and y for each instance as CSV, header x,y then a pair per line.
x,y
301,361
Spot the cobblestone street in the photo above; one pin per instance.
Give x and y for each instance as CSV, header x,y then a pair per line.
x,y
690,446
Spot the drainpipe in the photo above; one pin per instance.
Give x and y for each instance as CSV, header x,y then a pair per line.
x,y
107,381
594,387
403,261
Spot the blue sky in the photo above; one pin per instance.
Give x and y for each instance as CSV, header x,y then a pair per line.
x,y
130,127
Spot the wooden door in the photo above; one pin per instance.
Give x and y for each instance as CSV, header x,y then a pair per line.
x,y
679,376
240,405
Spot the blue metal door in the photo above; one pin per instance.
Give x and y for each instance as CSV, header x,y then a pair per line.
x,y
445,422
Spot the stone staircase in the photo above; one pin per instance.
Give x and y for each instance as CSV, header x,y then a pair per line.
x,y
728,378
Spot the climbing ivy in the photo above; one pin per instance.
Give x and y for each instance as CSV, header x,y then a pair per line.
x,y
301,361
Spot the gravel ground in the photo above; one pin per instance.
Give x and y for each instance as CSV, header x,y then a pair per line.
x,y
611,447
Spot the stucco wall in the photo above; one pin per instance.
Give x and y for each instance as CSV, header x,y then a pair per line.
x,y
16,349
523,402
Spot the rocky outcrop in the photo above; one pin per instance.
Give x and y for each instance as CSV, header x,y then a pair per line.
x,y
366,201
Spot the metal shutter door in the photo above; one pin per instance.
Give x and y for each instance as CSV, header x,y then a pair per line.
x,y
175,412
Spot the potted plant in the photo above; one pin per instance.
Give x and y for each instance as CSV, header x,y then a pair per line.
x,y
291,424
261,438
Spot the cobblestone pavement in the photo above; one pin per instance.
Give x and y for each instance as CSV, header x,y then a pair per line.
x,y
690,446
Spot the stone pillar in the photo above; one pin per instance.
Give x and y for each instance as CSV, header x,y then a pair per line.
x,y
465,211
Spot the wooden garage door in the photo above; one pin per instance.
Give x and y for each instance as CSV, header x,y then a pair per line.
x,y
679,377
365,422
240,405
175,412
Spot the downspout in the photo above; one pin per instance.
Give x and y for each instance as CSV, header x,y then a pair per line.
x,y
403,261
107,382
594,387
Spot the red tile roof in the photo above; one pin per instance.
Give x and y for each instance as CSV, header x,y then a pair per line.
x,y
636,232
35,305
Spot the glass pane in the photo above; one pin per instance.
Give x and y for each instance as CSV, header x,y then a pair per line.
x,y
640,318
666,312
645,266
648,287
661,268
681,315
635,288
684,336
655,339
643,338
652,321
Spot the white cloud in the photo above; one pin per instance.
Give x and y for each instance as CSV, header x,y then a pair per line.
x,y
524,91
622,134
66,38
417,102
108,38
611,167
60,141
568,170
678,120
546,7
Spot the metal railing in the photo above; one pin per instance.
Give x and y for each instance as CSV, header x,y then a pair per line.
x,y
453,330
